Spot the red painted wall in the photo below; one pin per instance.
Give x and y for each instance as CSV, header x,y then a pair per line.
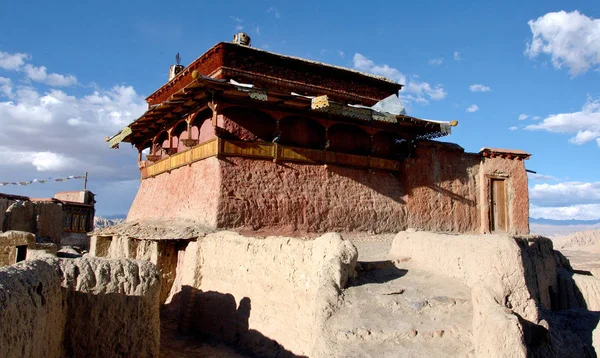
x,y
441,189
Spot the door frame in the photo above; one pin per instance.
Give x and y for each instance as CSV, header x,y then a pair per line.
x,y
489,197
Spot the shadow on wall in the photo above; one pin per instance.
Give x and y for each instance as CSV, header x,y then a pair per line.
x,y
215,317
566,325
376,272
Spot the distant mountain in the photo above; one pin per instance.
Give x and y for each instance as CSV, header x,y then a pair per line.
x,y
563,222
101,223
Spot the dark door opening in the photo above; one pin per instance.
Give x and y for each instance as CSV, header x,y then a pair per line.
x,y
498,207
21,253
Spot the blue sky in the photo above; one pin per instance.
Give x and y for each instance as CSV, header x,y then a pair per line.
x,y
72,73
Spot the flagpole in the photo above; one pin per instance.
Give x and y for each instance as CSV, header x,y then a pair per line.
x,y
85,181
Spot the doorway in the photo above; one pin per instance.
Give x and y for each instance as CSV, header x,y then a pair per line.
x,y
21,253
498,207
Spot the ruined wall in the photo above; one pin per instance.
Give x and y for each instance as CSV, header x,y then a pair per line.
x,y
270,296
49,218
516,286
4,204
8,245
187,193
162,253
79,308
20,216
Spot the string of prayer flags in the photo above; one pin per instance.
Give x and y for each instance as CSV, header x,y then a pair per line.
x,y
41,181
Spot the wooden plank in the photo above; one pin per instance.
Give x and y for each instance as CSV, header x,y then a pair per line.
x,y
248,149
305,155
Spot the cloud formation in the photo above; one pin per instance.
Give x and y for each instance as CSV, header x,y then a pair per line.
x,y
479,88
523,116
18,62
473,108
456,56
585,123
571,39
413,91
53,131
564,201
436,61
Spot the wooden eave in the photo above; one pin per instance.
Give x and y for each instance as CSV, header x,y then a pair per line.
x,y
203,89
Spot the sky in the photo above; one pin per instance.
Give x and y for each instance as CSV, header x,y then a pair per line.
x,y
515,74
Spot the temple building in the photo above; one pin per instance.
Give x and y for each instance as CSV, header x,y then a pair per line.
x,y
249,139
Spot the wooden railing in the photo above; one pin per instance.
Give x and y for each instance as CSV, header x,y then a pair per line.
x,y
272,151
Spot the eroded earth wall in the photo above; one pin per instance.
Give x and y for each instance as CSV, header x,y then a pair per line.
x,y
79,308
269,296
516,287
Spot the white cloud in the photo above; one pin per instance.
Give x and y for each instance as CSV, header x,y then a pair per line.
x,y
436,61
5,87
42,161
39,74
56,131
536,118
473,108
274,11
341,53
413,91
585,123
17,62
572,212
540,177
565,194
456,56
570,38
566,200
479,88
12,61
523,116
239,27
513,128
362,63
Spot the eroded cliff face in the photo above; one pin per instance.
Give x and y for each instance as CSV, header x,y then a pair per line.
x,y
79,307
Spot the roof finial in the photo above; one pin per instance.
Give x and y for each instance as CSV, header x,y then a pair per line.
x,y
178,59
241,38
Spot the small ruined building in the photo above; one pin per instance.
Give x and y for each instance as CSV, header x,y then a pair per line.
x,y
63,220
250,139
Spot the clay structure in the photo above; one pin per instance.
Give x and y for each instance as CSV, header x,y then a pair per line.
x,y
248,139
63,220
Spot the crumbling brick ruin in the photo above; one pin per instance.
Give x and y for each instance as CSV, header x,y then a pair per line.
x,y
63,220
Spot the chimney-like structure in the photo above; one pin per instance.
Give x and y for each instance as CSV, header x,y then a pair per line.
x,y
241,38
175,69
